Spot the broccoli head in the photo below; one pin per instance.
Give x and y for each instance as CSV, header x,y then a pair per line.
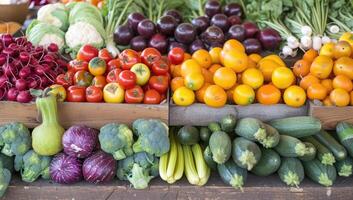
x,y
116,139
152,137
138,169
5,178
15,139
33,165
6,162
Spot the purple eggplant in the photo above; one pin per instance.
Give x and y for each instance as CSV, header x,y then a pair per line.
x,y
270,39
176,14
123,35
252,45
138,43
134,19
167,25
236,32
233,9
185,33
212,7
146,28
201,23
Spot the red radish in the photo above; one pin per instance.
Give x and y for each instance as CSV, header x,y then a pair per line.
x,y
24,72
53,48
3,81
8,52
2,59
2,93
24,57
32,84
1,46
24,97
21,84
7,39
12,94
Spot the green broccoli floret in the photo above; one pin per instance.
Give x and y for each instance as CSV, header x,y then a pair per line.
x,y
138,169
15,139
116,139
5,178
33,165
6,162
152,137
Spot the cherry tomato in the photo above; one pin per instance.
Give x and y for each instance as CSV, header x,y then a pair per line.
x,y
159,83
76,93
113,64
113,75
176,55
97,66
66,79
105,55
87,52
127,79
94,94
99,81
83,78
77,65
128,58
134,95
150,55
152,97
160,67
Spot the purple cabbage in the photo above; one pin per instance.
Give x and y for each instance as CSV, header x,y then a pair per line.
x,y
65,169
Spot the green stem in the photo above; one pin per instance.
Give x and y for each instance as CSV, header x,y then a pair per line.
x,y
48,109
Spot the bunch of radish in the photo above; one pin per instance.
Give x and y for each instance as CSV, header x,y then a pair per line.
x,y
24,67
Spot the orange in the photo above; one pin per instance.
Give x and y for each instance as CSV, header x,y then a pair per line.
x,y
255,57
176,83
275,58
327,49
351,98
225,78
243,95
190,66
233,44
203,58
207,75
252,77
327,83
308,80
194,81
267,67
282,77
187,56
268,94
294,96
214,68
215,96
238,61
340,97
183,96
342,49
215,54
327,101
176,71
301,68
310,55
251,63
342,81
200,94
321,67
344,66
316,91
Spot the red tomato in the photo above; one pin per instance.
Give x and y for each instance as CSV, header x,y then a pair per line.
x,y
160,67
163,97
76,93
83,78
113,64
77,65
127,79
94,94
134,95
128,58
99,81
105,55
176,56
87,52
113,75
159,83
152,97
150,55
66,79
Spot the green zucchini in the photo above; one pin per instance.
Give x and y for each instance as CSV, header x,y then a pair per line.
x,y
291,171
207,155
214,126
344,167
272,138
320,173
232,174
332,144
310,154
323,154
298,127
289,146
228,123
220,146
245,153
205,134
188,135
345,134
269,163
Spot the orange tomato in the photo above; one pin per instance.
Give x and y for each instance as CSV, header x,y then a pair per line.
x,y
214,68
342,81
215,55
207,75
238,61
340,97
200,94
268,94
190,66
203,58
187,56
243,95
327,83
316,91
194,81
310,55
233,44
351,98
215,96
275,58
327,49
301,68
225,77
294,96
344,66
308,80
327,101
321,67
282,77
252,77
176,83
267,67
251,63
342,49
176,71
255,57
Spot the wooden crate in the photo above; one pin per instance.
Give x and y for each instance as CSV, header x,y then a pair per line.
x,y
93,115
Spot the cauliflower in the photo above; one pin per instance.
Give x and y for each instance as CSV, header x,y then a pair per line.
x,y
15,139
54,14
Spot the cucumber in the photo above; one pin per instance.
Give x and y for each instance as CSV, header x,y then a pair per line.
x,y
207,155
298,127
289,146
331,143
323,154
344,167
345,134
232,174
228,123
188,135
272,138
245,153
291,171
320,173
214,126
205,134
310,154
220,146
269,163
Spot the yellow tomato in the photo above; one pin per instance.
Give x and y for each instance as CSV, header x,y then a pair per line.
x,y
233,44
200,94
203,58
344,66
282,77
267,66
113,93
294,96
252,77
321,67
58,91
183,96
238,61
194,81
215,54
348,37
190,66
225,77
243,95
327,49
215,96
255,57
275,58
